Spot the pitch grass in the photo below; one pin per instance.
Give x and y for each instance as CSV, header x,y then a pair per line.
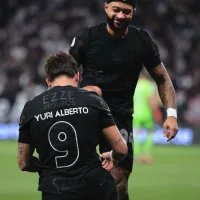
x,y
174,175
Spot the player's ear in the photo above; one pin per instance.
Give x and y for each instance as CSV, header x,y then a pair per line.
x,y
134,11
48,82
77,77
106,7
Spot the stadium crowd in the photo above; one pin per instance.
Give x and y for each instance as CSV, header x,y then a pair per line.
x,y
30,30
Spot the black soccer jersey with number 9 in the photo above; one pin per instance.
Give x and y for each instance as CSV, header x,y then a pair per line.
x,y
114,64
64,125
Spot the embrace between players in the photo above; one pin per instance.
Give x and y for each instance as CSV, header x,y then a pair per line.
x,y
112,55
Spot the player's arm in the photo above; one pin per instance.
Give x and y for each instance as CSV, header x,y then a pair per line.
x,y
166,90
168,97
26,160
165,86
110,131
118,144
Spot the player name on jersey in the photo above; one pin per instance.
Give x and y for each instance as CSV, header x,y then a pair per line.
x,y
61,113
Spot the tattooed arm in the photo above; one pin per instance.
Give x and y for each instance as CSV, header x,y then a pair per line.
x,y
165,87
26,160
116,141
168,97
118,145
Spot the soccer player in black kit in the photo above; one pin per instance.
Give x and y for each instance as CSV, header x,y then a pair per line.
x,y
112,55
64,125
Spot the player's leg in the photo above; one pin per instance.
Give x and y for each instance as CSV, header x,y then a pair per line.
x,y
137,124
148,144
124,168
122,176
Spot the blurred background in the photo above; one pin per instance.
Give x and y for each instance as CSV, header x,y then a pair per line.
x,y
31,29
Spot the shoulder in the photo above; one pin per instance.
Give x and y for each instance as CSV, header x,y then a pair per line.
x,y
97,28
82,34
143,34
26,113
88,31
90,96
98,101
86,34
38,97
32,104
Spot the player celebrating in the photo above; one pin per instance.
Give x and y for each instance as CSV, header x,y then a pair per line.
x,y
64,124
112,55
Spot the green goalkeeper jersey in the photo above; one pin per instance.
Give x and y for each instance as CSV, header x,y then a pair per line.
x,y
143,91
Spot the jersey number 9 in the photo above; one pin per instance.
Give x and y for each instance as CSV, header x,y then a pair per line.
x,y
62,138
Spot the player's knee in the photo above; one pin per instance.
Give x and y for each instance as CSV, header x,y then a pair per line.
x,y
122,189
121,176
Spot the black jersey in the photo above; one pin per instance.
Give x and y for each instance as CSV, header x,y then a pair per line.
x,y
114,64
64,125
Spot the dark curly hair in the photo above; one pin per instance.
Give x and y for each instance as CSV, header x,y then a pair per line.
x,y
60,63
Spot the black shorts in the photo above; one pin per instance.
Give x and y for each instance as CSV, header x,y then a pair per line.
x,y
106,191
125,128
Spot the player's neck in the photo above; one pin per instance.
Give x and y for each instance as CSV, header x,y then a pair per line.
x,y
119,34
64,81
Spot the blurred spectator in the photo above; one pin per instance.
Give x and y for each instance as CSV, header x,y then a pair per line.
x,y
29,30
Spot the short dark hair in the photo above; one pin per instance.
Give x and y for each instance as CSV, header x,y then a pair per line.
x,y
60,63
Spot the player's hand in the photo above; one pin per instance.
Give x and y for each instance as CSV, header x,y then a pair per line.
x,y
107,163
94,89
170,128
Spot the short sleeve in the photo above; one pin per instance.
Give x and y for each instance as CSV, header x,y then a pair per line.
x,y
24,126
78,45
151,52
105,116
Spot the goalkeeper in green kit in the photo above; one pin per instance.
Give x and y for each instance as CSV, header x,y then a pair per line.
x,y
145,108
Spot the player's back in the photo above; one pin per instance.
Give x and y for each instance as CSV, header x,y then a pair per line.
x,y
65,129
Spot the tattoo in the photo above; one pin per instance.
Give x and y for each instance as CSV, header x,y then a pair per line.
x,y
165,86
23,149
25,158
118,141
